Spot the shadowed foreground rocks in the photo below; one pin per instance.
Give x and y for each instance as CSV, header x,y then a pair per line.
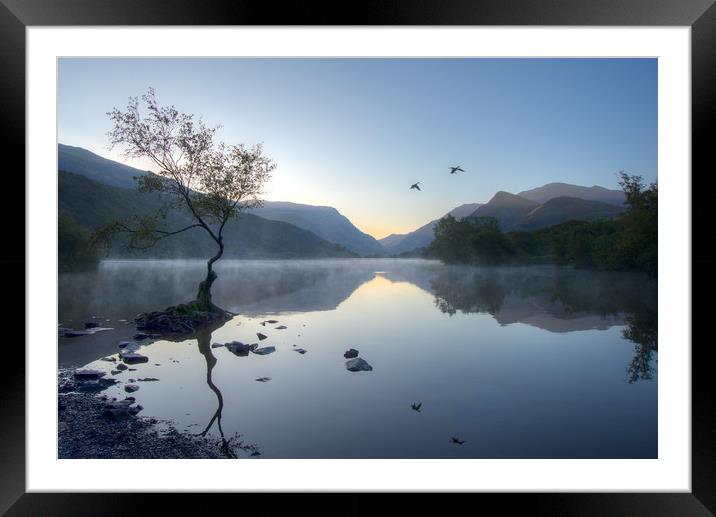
x,y
94,427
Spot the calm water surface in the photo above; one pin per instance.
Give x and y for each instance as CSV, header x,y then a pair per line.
x,y
534,362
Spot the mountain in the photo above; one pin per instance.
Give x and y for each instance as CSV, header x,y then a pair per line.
x,y
92,204
396,243
561,209
86,163
552,190
325,222
508,209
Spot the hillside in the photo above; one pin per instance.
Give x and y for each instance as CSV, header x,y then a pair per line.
x,y
395,244
90,165
323,221
562,209
93,204
553,190
508,209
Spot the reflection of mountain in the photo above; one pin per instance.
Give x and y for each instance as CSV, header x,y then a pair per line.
x,y
555,299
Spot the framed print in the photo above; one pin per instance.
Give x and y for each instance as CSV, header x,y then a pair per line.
x,y
418,250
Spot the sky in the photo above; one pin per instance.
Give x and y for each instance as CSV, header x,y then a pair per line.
x,y
356,133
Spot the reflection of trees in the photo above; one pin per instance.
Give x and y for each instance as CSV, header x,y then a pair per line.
x,y
642,330
454,290
228,445
484,290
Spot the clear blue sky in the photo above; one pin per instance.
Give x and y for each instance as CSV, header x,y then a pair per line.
x,y
356,133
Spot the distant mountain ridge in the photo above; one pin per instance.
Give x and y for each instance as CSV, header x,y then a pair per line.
x,y
325,222
541,207
92,204
397,243
553,190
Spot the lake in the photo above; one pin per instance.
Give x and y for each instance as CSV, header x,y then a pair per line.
x,y
523,362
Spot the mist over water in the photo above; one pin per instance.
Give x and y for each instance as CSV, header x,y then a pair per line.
x,y
519,362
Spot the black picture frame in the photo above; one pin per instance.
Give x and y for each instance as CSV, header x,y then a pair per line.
x,y
700,15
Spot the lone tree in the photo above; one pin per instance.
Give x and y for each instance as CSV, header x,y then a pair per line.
x,y
212,182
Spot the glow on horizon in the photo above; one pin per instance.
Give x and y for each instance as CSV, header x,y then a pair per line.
x,y
354,134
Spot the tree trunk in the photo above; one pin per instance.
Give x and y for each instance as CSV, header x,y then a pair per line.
x,y
203,295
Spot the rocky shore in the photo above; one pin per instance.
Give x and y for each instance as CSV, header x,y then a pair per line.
x,y
95,426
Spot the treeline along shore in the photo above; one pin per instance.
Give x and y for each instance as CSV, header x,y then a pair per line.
x,y
629,242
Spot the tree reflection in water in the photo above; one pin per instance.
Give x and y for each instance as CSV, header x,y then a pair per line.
x,y
559,293
230,445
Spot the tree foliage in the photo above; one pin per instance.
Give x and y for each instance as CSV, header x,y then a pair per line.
x,y
212,182
75,251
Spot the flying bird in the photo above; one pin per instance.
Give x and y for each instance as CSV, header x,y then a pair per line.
x,y
457,440
416,407
453,170
415,186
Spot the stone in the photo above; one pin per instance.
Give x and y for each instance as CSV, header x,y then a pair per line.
x,y
358,365
110,359
122,366
88,375
134,358
300,350
131,388
116,372
129,346
217,345
148,379
263,379
261,336
351,353
281,327
91,325
265,350
239,348
77,333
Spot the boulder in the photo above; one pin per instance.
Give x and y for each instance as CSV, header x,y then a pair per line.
x,y
88,375
122,367
131,388
351,353
358,365
265,350
134,358
261,336
239,348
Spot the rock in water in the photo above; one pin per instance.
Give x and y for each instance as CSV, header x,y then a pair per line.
x,y
122,366
77,333
261,336
351,353
239,348
88,375
128,346
134,358
358,365
130,388
281,327
263,379
91,325
217,345
265,350
299,350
